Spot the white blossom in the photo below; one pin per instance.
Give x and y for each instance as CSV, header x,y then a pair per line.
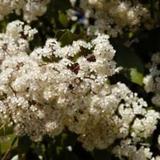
x,y
52,87
31,8
113,16
152,80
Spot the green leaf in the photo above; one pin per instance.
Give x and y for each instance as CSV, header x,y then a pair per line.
x,y
126,57
136,77
7,142
63,18
4,131
65,37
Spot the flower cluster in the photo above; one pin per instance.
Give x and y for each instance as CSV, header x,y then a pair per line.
x,y
31,8
51,88
49,84
127,149
114,16
152,80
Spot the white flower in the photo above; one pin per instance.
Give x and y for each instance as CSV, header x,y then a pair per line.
x,y
152,80
113,16
52,87
31,8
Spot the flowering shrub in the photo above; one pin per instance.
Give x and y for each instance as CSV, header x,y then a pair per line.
x,y
79,80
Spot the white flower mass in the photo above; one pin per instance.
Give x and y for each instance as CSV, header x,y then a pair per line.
x,y
49,89
152,80
31,8
114,16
